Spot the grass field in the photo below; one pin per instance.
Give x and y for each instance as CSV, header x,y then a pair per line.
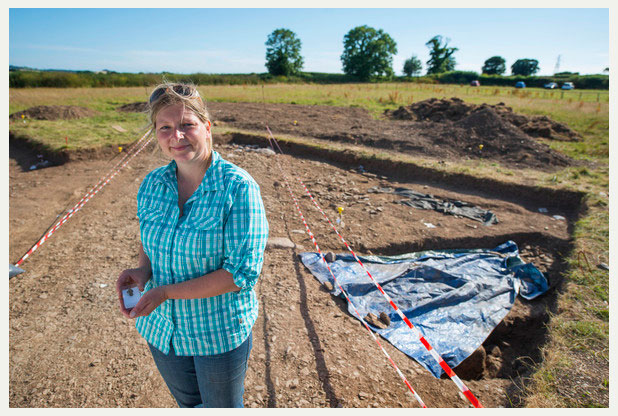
x,y
578,333
587,116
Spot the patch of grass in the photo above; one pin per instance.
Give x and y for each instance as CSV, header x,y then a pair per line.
x,y
541,390
84,133
100,99
585,334
602,313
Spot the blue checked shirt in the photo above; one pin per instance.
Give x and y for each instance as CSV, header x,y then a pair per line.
x,y
223,226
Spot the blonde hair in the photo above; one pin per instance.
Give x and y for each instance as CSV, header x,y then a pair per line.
x,y
170,93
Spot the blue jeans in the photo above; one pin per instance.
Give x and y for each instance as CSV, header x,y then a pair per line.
x,y
206,380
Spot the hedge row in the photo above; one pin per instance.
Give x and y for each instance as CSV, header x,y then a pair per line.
x,y
61,79
597,82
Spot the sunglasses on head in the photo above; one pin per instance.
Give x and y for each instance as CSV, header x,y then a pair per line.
x,y
184,90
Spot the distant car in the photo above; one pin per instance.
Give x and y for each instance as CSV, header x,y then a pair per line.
x,y
520,84
550,86
475,83
568,86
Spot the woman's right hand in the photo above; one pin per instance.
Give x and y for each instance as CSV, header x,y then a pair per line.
x,y
131,278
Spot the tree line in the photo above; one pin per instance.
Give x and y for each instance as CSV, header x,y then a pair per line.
x,y
368,55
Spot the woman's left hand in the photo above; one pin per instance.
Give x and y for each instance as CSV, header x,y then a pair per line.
x,y
149,302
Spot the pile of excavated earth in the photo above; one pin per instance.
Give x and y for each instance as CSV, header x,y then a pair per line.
x,y
140,107
455,109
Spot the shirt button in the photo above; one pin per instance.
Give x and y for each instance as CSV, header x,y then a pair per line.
x,y
240,320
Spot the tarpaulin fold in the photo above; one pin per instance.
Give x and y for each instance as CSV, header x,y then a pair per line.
x,y
455,298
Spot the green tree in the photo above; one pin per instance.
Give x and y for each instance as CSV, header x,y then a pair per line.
x,y
368,53
494,66
283,53
441,56
525,67
412,66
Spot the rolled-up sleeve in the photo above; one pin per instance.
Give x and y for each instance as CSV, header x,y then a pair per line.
x,y
245,235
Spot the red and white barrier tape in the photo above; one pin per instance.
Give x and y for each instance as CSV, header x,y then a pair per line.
x,y
126,155
300,213
436,356
104,181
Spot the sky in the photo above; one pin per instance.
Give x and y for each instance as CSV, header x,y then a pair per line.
x,y
216,40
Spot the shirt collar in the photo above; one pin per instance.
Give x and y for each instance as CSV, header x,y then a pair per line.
x,y
213,179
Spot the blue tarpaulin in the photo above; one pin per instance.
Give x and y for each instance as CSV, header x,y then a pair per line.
x,y
455,298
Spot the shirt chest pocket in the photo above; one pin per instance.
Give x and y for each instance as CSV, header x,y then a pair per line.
x,y
200,236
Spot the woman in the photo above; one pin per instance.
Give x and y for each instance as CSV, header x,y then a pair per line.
x,y
203,233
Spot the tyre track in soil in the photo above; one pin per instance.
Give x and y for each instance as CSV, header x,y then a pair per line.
x,y
69,346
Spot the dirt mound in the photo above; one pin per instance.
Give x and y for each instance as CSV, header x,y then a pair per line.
x,y
54,112
432,109
536,126
454,109
485,133
139,107
483,119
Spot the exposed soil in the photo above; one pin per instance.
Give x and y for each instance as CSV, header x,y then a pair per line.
x,y
70,347
439,129
54,112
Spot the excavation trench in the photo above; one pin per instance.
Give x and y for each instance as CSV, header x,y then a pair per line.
x,y
24,149
513,349
526,196
28,151
508,354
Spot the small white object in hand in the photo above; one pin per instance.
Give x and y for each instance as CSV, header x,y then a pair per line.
x,y
130,297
